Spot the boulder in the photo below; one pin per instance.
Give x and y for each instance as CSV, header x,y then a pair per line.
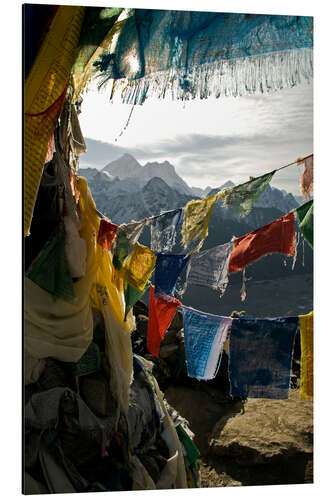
x,y
266,430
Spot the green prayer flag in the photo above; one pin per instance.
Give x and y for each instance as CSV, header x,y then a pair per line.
x,y
305,217
132,295
121,251
243,197
51,272
192,452
90,362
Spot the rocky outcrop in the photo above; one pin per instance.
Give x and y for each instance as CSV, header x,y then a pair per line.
x,y
266,432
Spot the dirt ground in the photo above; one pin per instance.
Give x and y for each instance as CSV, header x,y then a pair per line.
x,y
203,408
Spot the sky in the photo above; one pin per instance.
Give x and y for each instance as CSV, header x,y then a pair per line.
x,y
208,141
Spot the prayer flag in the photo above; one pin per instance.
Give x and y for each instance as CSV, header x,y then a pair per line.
x,y
163,231
168,269
138,267
307,176
51,271
276,237
204,336
106,234
243,197
132,295
196,219
306,329
161,312
210,268
305,217
260,357
127,236
44,91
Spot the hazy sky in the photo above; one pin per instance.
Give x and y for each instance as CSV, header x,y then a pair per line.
x,y
208,141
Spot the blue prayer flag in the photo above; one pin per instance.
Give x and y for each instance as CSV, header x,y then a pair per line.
x,y
167,270
204,336
260,357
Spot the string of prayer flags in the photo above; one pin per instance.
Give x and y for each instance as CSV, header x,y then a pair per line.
x,y
307,176
161,312
106,234
306,330
51,272
260,357
138,267
132,295
276,237
163,231
167,271
243,197
127,236
210,267
305,217
204,336
197,214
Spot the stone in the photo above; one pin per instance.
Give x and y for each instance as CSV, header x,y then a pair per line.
x,y
265,430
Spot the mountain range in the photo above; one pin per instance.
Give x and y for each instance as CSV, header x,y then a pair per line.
x,y
157,186
124,191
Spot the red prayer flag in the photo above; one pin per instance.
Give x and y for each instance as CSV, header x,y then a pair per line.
x,y
276,237
107,232
161,312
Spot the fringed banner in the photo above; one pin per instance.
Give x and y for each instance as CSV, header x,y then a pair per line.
x,y
138,267
276,237
106,234
306,329
305,217
207,54
260,357
161,312
204,336
210,268
44,94
197,214
163,231
167,271
243,197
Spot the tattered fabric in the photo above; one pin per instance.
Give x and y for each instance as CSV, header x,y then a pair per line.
x,y
207,53
51,271
44,91
306,329
161,312
167,271
210,267
196,219
305,217
260,357
127,236
138,267
307,176
243,197
106,234
276,237
132,295
163,231
204,336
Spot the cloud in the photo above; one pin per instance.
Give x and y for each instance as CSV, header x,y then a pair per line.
x,y
248,136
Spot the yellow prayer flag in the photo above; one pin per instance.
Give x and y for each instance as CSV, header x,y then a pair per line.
x,y
138,266
44,93
306,328
196,219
